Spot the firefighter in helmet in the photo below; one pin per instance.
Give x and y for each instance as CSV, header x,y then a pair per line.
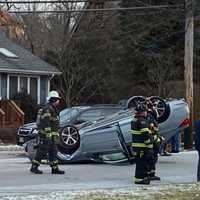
x,y
141,145
48,124
152,117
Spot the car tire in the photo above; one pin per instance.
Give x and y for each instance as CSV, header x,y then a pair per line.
x,y
69,139
161,107
134,101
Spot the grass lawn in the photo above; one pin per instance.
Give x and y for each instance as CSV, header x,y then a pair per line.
x,y
158,192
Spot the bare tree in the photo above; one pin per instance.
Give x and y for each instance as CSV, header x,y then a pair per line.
x,y
79,80
11,25
161,74
8,6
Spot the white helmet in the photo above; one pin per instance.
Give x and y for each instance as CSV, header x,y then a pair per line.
x,y
53,94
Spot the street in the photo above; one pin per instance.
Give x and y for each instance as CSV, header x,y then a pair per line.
x,y
15,176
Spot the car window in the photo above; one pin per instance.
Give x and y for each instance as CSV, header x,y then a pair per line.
x,y
113,158
110,111
122,114
91,115
63,112
68,114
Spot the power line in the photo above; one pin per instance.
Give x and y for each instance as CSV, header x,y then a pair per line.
x,y
54,1
40,2
179,6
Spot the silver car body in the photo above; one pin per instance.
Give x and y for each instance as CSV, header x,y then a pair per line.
x,y
100,137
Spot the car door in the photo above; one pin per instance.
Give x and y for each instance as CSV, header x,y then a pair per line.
x,y
91,115
101,139
103,136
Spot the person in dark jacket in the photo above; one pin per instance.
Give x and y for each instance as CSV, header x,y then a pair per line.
x,y
197,147
48,125
141,145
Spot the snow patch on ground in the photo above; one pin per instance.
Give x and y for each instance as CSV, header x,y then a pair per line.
x,y
139,192
11,147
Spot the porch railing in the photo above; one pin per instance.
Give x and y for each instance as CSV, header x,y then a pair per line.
x,y
2,117
10,114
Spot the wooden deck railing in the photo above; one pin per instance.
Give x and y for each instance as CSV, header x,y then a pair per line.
x,y
2,117
10,114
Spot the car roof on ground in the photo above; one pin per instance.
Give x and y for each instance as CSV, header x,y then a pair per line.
x,y
83,107
99,105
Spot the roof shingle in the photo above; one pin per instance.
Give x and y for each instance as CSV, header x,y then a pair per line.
x,y
26,63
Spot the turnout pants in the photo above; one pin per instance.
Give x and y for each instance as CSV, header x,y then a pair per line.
x,y
46,148
143,160
153,161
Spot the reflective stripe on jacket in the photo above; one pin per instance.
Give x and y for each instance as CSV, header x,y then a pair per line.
x,y
49,122
141,138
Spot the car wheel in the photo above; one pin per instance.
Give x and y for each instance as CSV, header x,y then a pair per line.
x,y
70,139
134,101
161,108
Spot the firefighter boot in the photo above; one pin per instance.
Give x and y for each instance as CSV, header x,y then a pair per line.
x,y
144,181
153,177
34,169
56,170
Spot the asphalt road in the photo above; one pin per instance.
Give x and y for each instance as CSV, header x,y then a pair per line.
x,y
15,175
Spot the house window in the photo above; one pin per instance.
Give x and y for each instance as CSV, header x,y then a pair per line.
x,y
43,89
23,84
13,86
27,84
33,88
36,86
3,86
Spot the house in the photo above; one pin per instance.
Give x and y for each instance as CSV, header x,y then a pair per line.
x,y
21,70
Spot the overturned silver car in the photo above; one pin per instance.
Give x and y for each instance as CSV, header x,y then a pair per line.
x,y
97,138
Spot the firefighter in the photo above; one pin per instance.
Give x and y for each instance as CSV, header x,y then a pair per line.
x,y
48,124
156,138
141,145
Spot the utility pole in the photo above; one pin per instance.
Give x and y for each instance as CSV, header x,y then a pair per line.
x,y
188,62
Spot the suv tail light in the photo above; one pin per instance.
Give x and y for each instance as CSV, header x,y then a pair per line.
x,y
185,123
